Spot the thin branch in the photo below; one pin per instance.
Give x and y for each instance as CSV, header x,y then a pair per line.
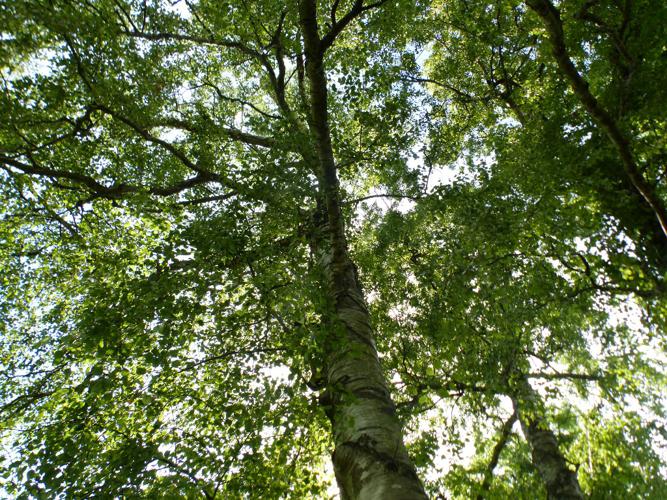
x,y
36,169
99,190
24,401
566,376
230,132
229,354
277,84
243,102
144,133
197,18
181,470
277,44
463,96
385,195
334,10
161,36
207,199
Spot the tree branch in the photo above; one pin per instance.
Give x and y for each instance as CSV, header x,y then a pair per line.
x,y
386,195
144,133
229,354
230,132
505,433
243,102
463,96
567,376
551,20
161,36
99,190
338,26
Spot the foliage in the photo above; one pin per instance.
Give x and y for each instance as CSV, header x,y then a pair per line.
x,y
161,306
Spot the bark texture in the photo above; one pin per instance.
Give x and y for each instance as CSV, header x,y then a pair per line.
x,y
560,481
551,20
370,459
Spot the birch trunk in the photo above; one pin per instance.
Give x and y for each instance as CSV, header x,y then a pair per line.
x,y
370,459
560,481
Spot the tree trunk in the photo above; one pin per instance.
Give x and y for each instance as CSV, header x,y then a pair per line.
x,y
561,482
370,459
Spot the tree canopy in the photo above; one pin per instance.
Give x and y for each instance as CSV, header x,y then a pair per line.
x,y
375,248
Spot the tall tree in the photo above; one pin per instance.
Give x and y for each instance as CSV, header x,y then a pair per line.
x,y
370,458
482,318
210,108
559,479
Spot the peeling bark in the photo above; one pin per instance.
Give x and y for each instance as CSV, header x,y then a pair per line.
x,y
370,459
560,481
